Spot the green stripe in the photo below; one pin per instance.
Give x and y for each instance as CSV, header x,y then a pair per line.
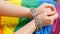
x,y
29,4
22,22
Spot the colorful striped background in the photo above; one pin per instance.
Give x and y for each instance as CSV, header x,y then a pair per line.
x,y
9,25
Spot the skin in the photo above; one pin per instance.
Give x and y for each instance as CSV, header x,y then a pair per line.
x,y
58,1
49,17
17,11
30,27
46,10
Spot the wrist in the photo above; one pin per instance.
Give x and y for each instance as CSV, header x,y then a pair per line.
x,y
33,24
38,23
30,14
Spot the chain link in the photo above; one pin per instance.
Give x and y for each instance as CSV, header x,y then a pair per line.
x,y
37,21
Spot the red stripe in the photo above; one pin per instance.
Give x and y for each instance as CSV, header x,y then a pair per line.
x,y
1,32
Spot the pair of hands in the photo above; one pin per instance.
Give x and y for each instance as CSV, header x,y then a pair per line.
x,y
46,13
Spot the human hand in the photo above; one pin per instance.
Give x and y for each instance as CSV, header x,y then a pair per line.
x,y
48,17
40,10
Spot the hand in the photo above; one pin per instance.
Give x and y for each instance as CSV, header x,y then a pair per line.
x,y
40,10
48,17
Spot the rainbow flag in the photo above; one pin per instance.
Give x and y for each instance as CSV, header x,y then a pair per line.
x,y
9,25
12,24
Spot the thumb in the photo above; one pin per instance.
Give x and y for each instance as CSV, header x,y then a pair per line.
x,y
48,11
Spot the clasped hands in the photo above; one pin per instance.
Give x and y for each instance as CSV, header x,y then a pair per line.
x,y
46,14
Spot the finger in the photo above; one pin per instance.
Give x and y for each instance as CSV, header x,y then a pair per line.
x,y
45,18
47,21
54,16
51,18
48,11
51,7
46,5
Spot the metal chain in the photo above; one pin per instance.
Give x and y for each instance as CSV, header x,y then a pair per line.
x,y
37,21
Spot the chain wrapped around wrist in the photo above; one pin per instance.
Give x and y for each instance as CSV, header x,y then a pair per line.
x,y
38,23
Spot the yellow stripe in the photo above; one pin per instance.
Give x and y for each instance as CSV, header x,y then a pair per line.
x,y
16,2
9,23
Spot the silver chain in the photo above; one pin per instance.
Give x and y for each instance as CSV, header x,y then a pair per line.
x,y
37,21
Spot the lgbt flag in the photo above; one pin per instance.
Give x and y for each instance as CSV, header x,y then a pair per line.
x,y
9,25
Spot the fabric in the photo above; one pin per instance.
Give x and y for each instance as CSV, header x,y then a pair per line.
x,y
26,3
12,24
9,23
46,29
30,3
48,1
22,22
1,32
15,2
56,25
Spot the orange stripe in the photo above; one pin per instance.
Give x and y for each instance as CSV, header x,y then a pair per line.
x,y
1,32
